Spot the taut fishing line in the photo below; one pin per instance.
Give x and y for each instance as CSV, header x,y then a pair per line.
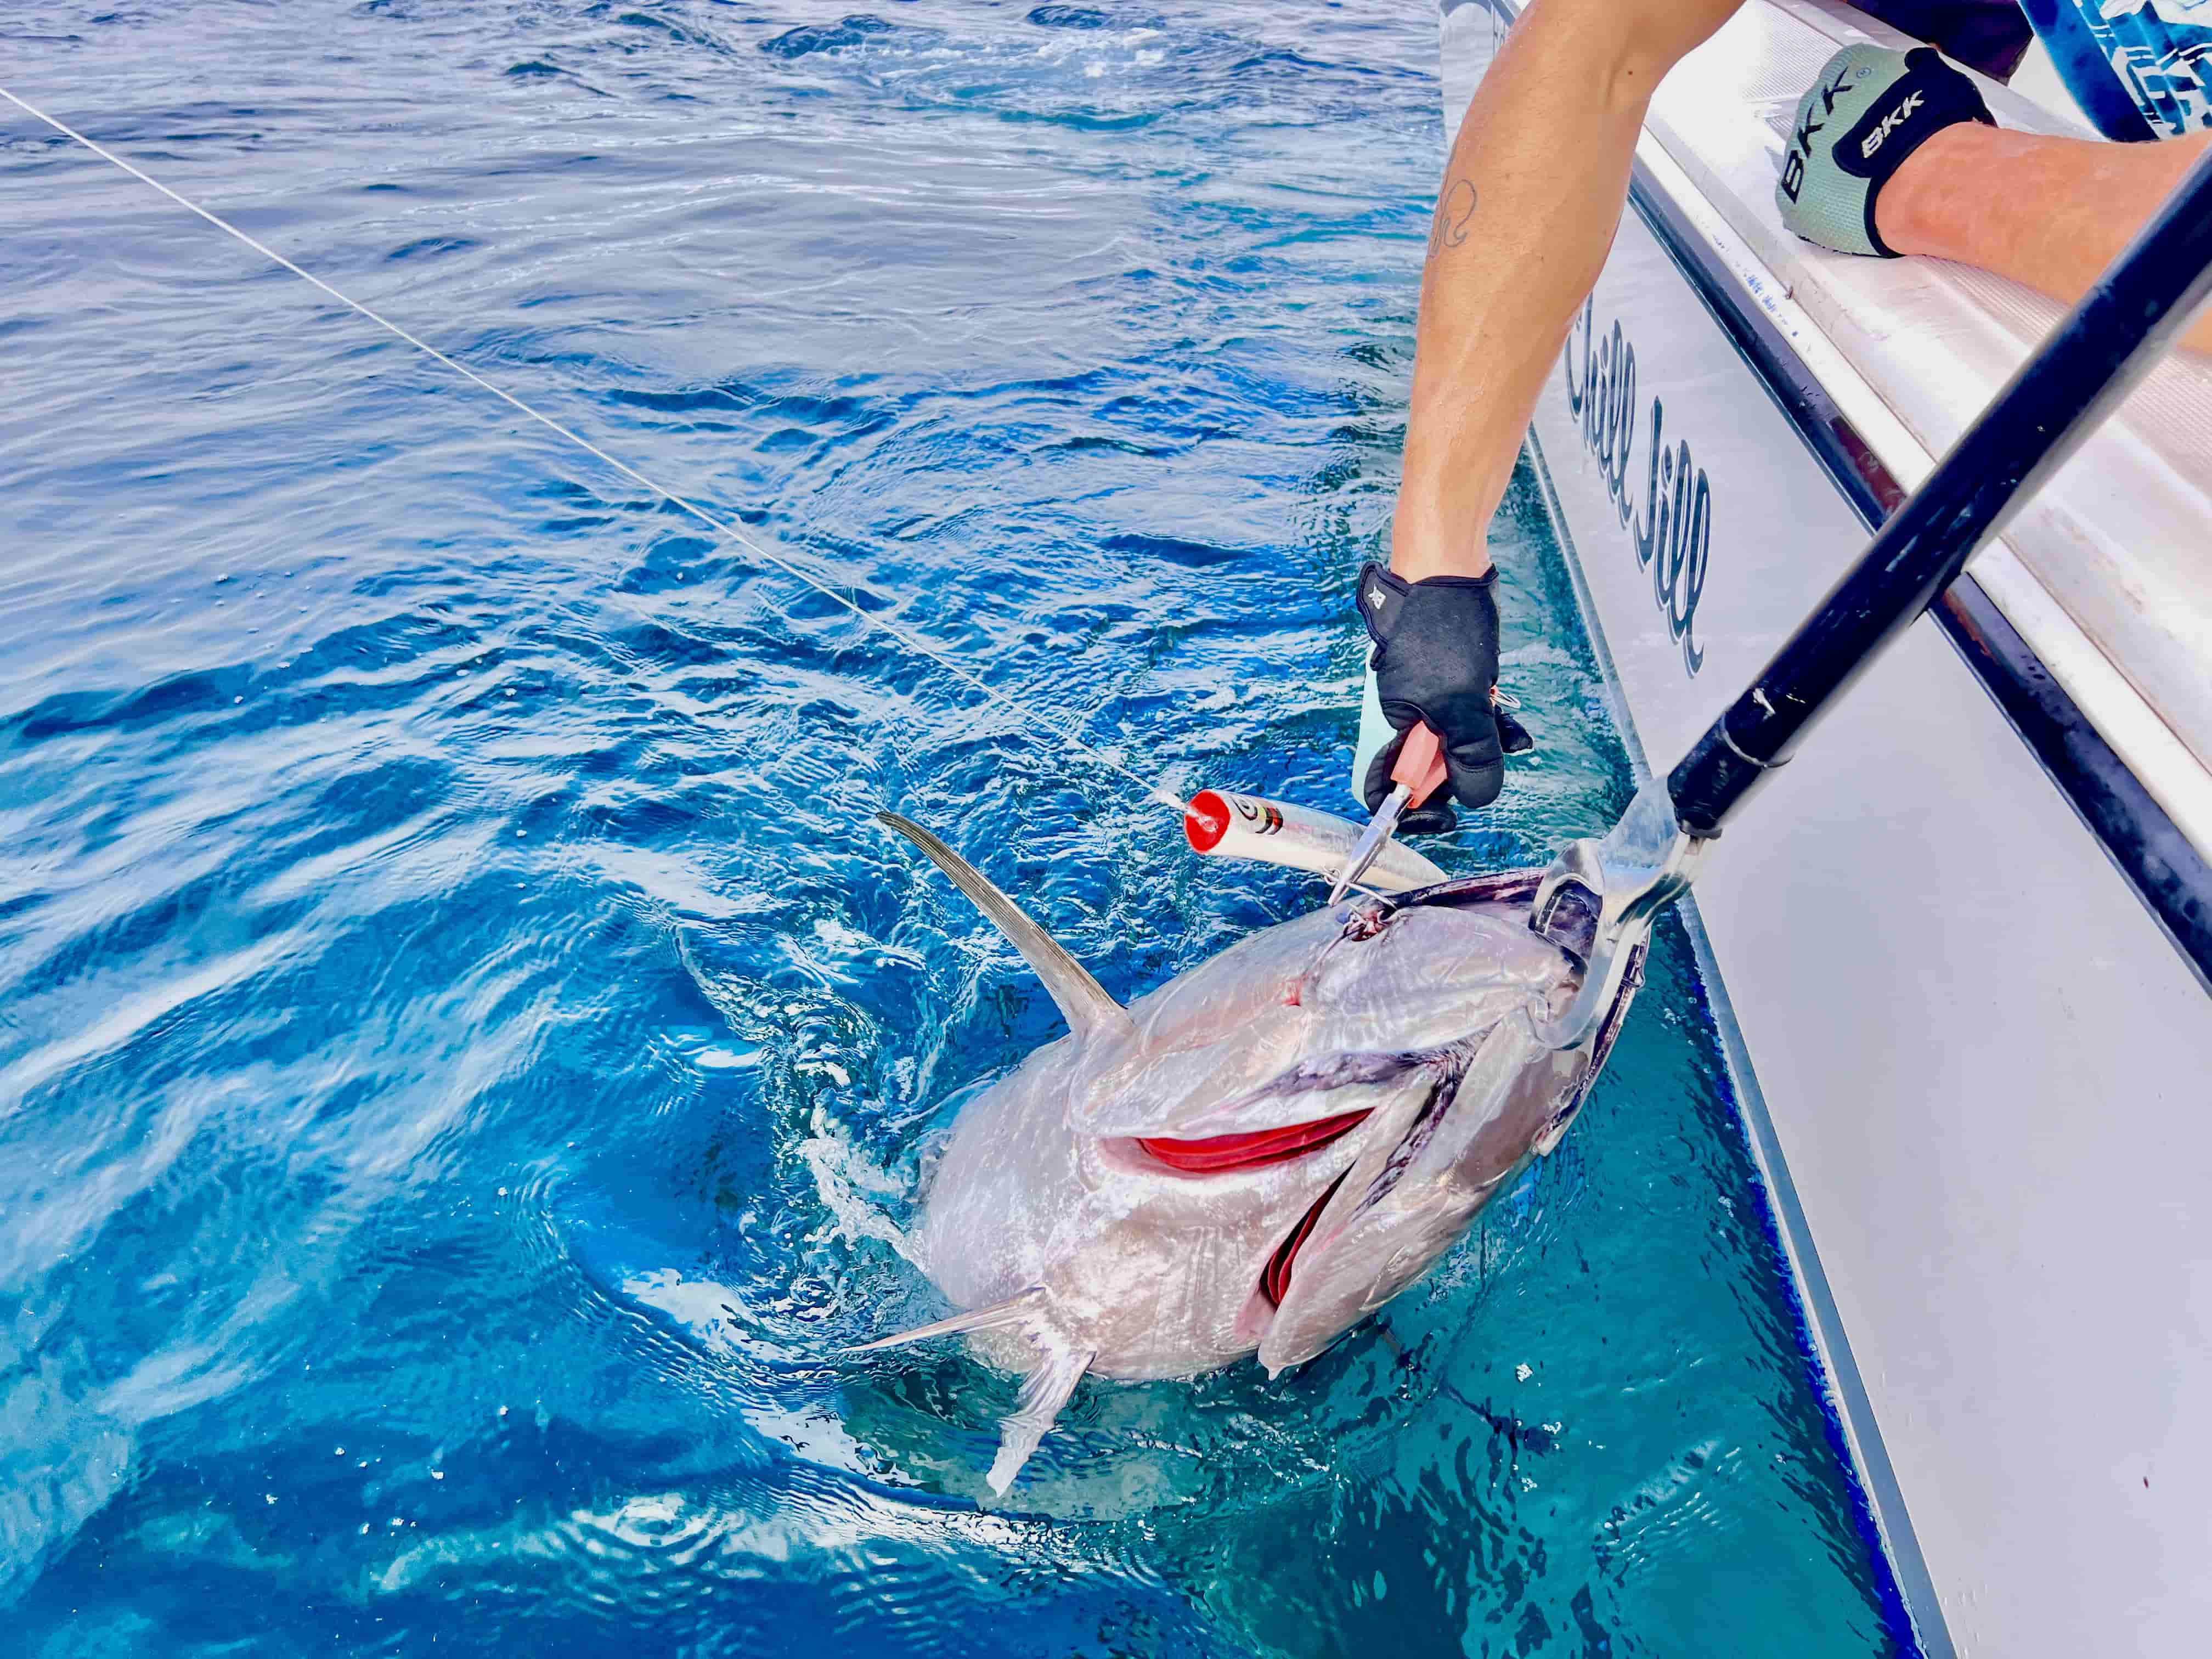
x,y
1154,790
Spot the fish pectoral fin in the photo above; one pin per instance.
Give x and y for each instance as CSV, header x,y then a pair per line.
x,y
1061,1366
1044,1391
1081,999
1023,1311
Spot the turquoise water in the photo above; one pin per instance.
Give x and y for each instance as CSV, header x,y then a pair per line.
x,y
462,1042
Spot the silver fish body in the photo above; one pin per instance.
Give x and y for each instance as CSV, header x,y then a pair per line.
x,y
1253,1157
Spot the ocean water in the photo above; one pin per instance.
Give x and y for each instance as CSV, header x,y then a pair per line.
x,y
464,1047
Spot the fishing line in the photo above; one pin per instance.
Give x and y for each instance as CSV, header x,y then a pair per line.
x,y
1154,790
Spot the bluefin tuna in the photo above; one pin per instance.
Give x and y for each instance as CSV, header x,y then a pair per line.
x,y
1253,1158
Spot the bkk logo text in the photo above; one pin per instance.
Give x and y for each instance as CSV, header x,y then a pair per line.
x,y
1671,521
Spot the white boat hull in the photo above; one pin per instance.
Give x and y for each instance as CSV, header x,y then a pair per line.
x,y
1975,1066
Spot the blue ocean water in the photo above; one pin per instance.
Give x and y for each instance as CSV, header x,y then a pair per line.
x,y
463,1043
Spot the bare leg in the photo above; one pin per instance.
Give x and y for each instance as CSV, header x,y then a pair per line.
x,y
2048,212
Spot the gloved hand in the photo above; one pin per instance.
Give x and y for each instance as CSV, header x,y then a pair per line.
x,y
1434,659
1870,108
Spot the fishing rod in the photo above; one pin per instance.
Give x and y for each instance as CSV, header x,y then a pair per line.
x,y
1611,889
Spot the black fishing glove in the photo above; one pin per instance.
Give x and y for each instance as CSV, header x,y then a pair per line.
x,y
1435,660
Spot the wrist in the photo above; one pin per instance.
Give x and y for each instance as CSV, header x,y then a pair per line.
x,y
1419,564
1421,550
1910,211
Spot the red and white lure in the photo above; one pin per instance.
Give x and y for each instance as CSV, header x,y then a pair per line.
x,y
1221,825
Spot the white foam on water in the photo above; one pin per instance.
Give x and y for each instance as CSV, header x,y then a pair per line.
x,y
844,1180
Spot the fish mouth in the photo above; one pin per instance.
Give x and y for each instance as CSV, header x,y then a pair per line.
x,y
1275,1278
1219,1154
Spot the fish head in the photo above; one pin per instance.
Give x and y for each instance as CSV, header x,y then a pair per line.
x,y
1357,1084
1396,1214
1258,1037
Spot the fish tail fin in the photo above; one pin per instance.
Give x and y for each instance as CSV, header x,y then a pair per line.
x,y
1044,1390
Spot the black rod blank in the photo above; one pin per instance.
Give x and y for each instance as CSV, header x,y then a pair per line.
x,y
2091,360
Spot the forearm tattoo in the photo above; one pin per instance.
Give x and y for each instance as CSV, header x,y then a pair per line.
x,y
1449,228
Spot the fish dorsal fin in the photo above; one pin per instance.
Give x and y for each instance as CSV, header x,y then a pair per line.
x,y
1089,1010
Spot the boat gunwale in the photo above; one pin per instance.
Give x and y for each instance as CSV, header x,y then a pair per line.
x,y
2161,865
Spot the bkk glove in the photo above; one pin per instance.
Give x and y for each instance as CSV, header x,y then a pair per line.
x,y
1870,108
1434,659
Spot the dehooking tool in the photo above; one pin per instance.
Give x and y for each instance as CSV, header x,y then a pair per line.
x,y
1417,775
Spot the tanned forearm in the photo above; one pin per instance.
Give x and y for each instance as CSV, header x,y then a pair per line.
x,y
1531,198
2049,212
